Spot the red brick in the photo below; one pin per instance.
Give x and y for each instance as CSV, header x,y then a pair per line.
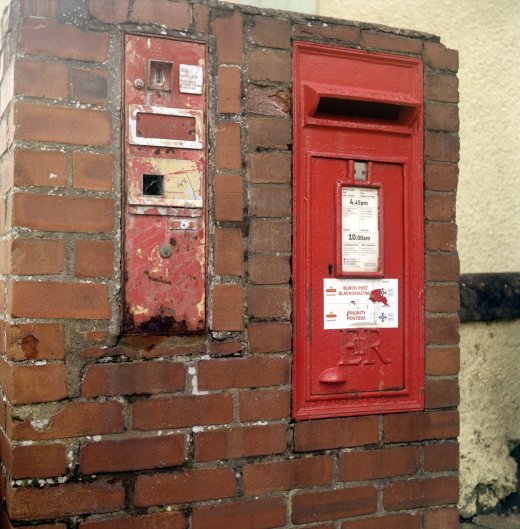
x,y
269,101
243,372
265,513
37,256
39,8
229,89
185,487
269,168
133,378
51,39
35,341
442,267
30,503
92,171
269,302
270,236
271,32
269,65
441,236
201,18
229,252
26,384
441,116
62,125
441,457
442,298
110,11
441,330
269,269
261,478
227,308
225,348
93,258
442,361
269,132
41,79
179,412
227,150
333,504
30,299
263,405
442,393
39,168
269,201
156,520
89,85
173,15
335,433
438,56
397,521
63,213
71,419
132,454
441,176
447,518
440,207
387,41
229,200
326,31
376,464
441,87
420,426
229,38
421,493
441,147
269,337
237,442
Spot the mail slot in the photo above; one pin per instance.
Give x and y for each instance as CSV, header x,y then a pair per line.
x,y
358,233
164,186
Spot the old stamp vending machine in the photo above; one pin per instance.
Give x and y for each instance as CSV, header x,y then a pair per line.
x,y
358,233
165,164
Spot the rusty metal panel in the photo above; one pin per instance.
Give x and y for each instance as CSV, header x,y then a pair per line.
x,y
165,186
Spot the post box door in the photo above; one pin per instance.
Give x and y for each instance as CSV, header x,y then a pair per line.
x,y
164,188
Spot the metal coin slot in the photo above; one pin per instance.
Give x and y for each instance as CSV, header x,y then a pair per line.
x,y
160,75
153,185
165,250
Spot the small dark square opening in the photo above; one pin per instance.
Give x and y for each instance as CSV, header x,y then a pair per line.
x,y
153,185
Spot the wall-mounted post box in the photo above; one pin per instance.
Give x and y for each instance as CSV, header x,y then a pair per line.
x,y
164,187
358,232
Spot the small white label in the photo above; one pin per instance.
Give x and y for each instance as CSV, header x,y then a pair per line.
x,y
359,229
360,303
190,79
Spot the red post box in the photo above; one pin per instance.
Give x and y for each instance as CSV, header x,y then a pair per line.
x,y
164,186
358,233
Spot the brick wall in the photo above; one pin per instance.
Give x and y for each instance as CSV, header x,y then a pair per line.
x,y
99,431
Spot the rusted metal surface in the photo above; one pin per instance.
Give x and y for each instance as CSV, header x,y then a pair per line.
x,y
165,164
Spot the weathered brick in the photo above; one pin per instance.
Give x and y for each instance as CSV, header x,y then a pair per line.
x,y
420,426
272,337
93,258
441,330
439,207
269,65
442,393
269,201
173,15
229,89
201,18
229,252
269,168
237,442
269,132
441,116
227,151
178,412
327,31
442,361
124,378
441,176
92,171
156,520
89,85
132,454
41,79
420,493
396,521
441,87
269,269
447,518
441,457
442,298
335,433
51,39
229,200
266,302
243,372
227,308
334,504
438,56
63,213
269,101
39,168
264,404
35,341
229,38
185,487
271,32
261,478
441,236
31,503
441,147
224,348
442,267
110,11
62,125
37,256
390,42
31,299
270,236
